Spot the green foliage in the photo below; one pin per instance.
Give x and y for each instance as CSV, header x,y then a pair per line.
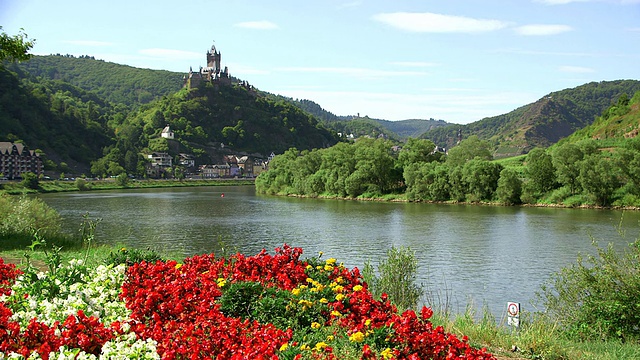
x,y
566,160
132,256
481,177
599,178
597,298
240,298
540,170
15,47
25,216
82,184
122,180
469,149
30,181
509,187
396,278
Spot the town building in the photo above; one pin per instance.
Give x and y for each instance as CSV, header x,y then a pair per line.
x,y
16,159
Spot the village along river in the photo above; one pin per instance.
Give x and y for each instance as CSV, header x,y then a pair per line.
x,y
480,255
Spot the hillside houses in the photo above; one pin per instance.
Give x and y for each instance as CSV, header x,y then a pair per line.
x,y
161,165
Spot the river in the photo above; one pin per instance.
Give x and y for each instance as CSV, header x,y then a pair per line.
x,y
468,254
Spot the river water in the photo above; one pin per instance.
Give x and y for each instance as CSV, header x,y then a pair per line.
x,y
479,255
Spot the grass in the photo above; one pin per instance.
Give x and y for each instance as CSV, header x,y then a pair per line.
x,y
16,188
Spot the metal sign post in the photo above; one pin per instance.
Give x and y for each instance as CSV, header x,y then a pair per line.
x,y
513,314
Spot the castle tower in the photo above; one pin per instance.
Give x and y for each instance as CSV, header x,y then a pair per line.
x,y
213,59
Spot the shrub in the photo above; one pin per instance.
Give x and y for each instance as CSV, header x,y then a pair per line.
x,y
397,278
23,216
132,256
82,184
30,181
597,298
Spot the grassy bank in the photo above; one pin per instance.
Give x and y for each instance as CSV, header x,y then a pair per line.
x,y
17,188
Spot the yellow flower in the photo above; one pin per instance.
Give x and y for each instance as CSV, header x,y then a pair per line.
x,y
303,287
324,301
304,347
328,268
339,280
330,337
295,292
309,267
336,313
320,253
309,280
387,354
357,288
331,261
357,337
315,325
305,303
339,288
221,282
367,322
340,297
319,267
178,266
284,346
319,346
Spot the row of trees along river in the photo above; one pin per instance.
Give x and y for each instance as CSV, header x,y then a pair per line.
x,y
572,174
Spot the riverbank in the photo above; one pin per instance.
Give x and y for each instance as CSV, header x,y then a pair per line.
x,y
15,188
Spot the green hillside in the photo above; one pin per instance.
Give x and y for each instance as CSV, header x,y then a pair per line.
x,y
541,123
113,82
67,123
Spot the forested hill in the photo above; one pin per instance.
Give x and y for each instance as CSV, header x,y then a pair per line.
x,y
541,123
113,82
77,128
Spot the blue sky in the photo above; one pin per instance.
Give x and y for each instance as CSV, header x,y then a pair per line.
x,y
458,61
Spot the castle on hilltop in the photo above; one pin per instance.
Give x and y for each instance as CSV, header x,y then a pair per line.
x,y
213,73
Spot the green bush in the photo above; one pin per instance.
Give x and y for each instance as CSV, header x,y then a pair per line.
x,y
24,216
132,256
597,298
396,278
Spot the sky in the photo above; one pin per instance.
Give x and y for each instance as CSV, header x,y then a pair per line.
x,y
455,60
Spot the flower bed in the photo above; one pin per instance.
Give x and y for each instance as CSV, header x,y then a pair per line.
x,y
257,307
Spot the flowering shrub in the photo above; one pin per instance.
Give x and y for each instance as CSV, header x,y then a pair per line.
x,y
243,307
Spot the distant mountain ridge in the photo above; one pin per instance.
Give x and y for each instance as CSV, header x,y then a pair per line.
x,y
542,123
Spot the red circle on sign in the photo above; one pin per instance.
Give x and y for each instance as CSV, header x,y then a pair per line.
x,y
513,309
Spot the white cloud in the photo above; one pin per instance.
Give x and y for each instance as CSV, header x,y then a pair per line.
x,y
257,25
542,29
361,73
576,69
170,54
88,43
438,23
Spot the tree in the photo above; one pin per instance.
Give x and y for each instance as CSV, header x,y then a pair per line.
x,y
566,159
540,170
416,150
468,149
15,47
481,177
30,180
509,187
599,178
